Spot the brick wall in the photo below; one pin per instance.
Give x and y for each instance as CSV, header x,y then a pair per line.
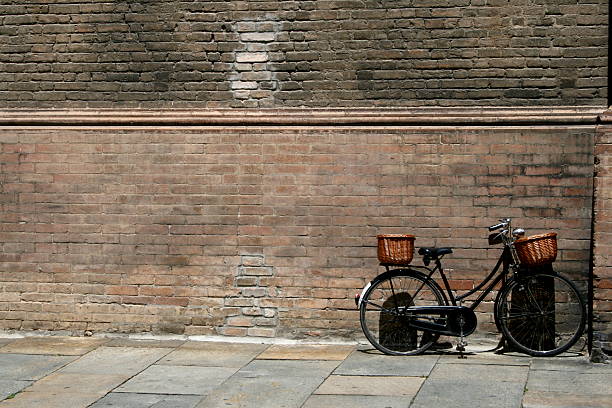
x,y
268,230
602,304
99,53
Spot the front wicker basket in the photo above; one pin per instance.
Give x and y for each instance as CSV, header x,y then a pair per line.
x,y
395,249
537,249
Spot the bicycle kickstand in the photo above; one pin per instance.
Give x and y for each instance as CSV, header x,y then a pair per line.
x,y
462,342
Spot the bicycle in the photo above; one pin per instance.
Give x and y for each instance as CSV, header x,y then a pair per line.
x,y
404,311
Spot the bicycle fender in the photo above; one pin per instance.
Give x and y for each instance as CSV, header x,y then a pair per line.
x,y
363,292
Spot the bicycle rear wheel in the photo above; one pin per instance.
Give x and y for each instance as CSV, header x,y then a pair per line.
x,y
541,314
384,316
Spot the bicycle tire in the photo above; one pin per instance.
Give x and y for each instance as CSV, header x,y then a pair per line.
x,y
542,314
382,314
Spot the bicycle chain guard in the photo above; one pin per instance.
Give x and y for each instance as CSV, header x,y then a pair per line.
x,y
463,321
448,320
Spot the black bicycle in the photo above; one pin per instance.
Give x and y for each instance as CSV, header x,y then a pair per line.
x,y
404,311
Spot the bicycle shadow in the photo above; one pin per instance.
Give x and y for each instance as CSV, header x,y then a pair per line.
x,y
446,347
466,354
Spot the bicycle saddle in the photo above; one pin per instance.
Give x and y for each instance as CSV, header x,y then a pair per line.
x,y
434,253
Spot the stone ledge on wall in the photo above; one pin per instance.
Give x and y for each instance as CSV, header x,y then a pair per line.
x,y
305,117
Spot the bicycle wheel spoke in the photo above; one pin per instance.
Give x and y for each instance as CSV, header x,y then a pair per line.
x,y
375,305
532,299
521,326
547,332
522,315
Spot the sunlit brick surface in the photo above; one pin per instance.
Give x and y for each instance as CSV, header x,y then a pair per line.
x,y
265,231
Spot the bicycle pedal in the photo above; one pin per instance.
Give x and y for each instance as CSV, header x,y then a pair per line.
x,y
461,349
461,346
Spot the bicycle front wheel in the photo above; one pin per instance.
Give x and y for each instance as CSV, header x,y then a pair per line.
x,y
541,314
384,315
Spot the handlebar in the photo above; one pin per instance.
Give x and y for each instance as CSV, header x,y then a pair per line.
x,y
497,226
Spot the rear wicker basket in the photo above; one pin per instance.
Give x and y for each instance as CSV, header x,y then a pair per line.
x,y
537,249
395,249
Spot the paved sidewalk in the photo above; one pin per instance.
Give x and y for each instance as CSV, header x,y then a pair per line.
x,y
72,372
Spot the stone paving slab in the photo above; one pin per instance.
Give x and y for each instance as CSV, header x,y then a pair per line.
x,y
371,385
133,400
66,346
461,385
4,342
277,392
566,364
486,359
213,354
144,343
36,399
306,352
270,383
374,363
126,361
570,382
64,383
224,346
542,399
8,388
287,368
356,401
164,379
74,390
29,366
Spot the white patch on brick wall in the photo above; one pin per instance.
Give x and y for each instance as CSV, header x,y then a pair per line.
x,y
255,313
252,81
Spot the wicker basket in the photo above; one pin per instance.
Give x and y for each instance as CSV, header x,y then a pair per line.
x,y
537,249
395,249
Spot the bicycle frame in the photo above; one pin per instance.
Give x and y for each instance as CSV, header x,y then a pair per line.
x,y
505,260
508,260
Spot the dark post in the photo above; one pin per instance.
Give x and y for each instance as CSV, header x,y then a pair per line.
x,y
542,293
